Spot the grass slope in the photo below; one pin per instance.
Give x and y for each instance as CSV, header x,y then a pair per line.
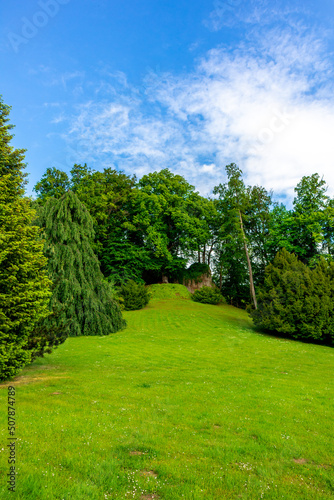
x,y
162,291
188,402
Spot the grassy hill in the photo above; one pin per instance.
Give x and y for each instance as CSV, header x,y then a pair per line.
x,y
189,402
169,291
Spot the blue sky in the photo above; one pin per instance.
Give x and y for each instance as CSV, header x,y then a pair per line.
x,y
192,86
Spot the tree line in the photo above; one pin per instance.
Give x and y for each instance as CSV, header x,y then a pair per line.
x,y
63,253
156,226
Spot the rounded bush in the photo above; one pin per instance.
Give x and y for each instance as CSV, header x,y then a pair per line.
x,y
297,301
207,295
134,295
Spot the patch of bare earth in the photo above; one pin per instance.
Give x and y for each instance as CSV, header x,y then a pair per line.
x,y
300,461
41,367
28,379
136,453
149,497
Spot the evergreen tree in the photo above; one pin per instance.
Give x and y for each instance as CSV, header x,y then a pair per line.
x,y
296,300
318,313
24,285
79,284
281,298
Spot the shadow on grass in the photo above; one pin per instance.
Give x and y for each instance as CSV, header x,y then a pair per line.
x,y
288,337
272,333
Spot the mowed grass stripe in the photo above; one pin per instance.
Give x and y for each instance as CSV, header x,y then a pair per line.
x,y
189,391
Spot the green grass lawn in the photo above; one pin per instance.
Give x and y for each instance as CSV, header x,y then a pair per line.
x,y
189,402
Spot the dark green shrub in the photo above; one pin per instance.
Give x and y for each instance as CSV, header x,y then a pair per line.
x,y
208,295
134,295
296,300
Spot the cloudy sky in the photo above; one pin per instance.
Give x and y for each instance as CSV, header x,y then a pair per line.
x,y
191,86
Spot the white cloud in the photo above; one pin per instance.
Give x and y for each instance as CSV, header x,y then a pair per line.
x,y
208,169
266,106
230,13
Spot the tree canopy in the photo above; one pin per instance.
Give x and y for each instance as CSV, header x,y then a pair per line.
x,y
152,229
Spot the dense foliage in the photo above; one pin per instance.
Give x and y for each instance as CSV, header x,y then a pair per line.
x,y
159,229
134,295
81,295
308,229
24,285
194,273
144,230
150,230
297,300
208,295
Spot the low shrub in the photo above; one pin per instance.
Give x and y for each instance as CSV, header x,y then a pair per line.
x,y
133,295
207,295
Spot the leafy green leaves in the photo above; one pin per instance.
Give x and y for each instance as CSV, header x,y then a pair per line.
x,y
54,183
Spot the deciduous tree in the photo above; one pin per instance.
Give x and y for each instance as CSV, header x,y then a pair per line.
x,y
233,204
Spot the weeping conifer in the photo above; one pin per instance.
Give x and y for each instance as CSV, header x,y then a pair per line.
x,y
75,270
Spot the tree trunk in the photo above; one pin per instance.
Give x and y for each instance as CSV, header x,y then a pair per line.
x,y
209,254
252,289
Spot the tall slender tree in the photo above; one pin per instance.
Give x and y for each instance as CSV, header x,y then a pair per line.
x,y
234,203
